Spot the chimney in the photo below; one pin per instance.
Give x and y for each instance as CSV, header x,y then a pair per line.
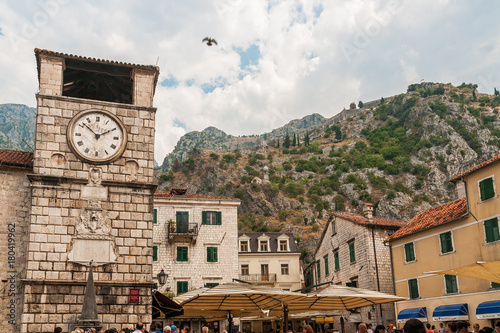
x,y
368,212
460,189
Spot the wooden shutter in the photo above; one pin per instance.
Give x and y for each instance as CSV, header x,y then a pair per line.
x,y
155,216
182,253
413,286
327,271
318,268
409,252
446,244
218,218
491,230
203,217
451,284
486,189
352,254
337,263
155,253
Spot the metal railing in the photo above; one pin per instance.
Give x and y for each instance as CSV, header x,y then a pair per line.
x,y
258,277
183,228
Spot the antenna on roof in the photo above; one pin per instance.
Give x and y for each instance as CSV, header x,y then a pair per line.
x,y
157,59
28,145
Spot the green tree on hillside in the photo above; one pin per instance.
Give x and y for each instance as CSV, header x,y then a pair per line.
x,y
294,142
360,105
286,143
306,139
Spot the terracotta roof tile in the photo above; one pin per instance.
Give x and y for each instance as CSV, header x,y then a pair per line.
x,y
16,157
359,219
432,217
190,196
477,167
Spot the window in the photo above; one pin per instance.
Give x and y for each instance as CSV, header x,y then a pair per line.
x,y
413,288
283,245
182,287
334,228
491,230
336,259
211,284
182,222
495,285
211,254
353,283
486,188
327,269
352,254
264,272
446,242
155,253
409,252
284,269
244,270
182,253
451,284
211,218
318,270
244,246
155,216
263,246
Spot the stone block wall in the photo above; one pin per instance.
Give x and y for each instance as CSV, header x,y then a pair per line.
x,y
197,271
15,202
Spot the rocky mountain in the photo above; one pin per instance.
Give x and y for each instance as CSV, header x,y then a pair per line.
x,y
17,123
213,138
397,154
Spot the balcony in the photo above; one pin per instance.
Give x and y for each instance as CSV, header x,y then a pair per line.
x,y
259,278
182,232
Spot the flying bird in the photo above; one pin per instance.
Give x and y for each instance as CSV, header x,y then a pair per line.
x,y
209,41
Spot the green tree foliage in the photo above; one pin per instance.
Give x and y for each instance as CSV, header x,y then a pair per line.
x,y
360,105
286,143
306,139
294,142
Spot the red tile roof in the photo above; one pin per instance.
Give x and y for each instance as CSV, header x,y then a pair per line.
x,y
359,219
16,157
433,217
477,167
190,196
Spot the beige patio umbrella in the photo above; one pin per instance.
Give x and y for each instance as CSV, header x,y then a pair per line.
x,y
341,298
485,270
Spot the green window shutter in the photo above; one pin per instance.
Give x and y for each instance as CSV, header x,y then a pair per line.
x,y
155,253
409,252
327,270
352,254
203,217
318,268
218,218
212,254
451,284
182,253
155,216
337,263
491,230
182,287
487,189
413,287
495,285
446,243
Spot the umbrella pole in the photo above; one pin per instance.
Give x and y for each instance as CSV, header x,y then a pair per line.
x,y
285,318
230,321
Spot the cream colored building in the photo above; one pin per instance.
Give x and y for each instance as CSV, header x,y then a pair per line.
x,y
270,258
452,235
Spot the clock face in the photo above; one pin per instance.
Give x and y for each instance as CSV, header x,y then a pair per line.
x,y
97,136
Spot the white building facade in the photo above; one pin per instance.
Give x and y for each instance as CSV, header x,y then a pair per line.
x,y
195,240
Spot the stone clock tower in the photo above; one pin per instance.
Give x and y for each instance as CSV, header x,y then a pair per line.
x,y
91,193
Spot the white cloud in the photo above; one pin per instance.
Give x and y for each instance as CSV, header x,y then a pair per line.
x,y
315,55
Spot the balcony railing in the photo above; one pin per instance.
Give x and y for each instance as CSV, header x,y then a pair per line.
x,y
182,232
259,278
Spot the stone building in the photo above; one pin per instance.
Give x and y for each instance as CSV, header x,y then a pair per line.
x,y
456,234
351,252
15,201
195,241
86,197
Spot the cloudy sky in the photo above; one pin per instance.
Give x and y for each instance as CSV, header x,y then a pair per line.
x,y
275,60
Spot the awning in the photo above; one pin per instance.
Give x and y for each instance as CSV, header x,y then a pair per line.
x,y
451,312
415,313
165,305
488,310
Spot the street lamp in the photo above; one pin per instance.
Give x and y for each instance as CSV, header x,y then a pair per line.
x,y
162,277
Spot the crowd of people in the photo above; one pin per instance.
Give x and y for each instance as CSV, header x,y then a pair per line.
x,y
139,328
416,326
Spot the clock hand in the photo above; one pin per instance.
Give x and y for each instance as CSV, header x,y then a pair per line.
x,y
96,135
108,131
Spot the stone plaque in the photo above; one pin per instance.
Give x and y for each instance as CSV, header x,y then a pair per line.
x,y
99,250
